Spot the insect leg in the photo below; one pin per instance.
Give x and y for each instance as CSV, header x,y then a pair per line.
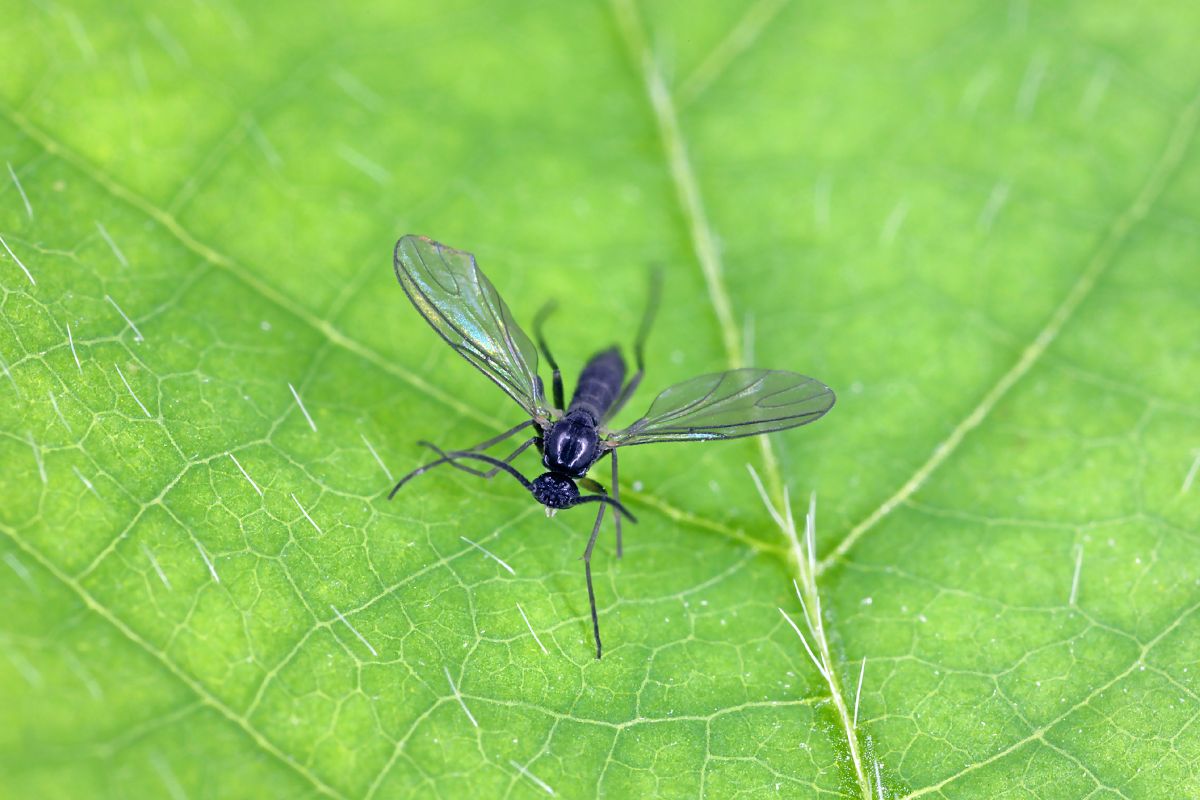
x,y
481,446
495,462
615,500
616,494
538,320
587,569
491,472
508,459
639,344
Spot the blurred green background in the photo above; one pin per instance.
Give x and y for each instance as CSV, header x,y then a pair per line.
x,y
976,221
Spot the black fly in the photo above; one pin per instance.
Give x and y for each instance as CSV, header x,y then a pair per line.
x,y
461,304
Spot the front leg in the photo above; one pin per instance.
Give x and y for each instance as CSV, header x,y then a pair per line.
x,y
484,445
587,570
593,486
481,473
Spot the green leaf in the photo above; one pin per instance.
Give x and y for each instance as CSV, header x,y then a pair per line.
x,y
974,221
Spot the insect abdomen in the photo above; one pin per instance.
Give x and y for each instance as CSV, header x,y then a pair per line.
x,y
599,383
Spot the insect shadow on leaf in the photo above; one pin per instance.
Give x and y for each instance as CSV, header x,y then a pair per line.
x,y
461,304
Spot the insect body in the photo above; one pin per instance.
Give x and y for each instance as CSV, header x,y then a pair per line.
x,y
461,304
572,444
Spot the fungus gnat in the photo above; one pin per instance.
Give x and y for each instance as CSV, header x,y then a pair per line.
x,y
461,304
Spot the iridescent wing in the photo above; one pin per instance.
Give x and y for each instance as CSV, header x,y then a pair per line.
x,y
726,405
461,304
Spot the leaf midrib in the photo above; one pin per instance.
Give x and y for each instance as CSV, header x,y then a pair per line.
x,y
1151,190
691,206
1163,171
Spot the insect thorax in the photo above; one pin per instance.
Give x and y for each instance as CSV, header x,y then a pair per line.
x,y
572,444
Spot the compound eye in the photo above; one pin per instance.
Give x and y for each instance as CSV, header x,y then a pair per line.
x,y
555,491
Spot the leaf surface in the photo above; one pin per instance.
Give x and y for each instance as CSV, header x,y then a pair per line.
x,y
973,221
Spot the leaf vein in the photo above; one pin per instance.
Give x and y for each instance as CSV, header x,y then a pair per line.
x,y
1102,258
199,689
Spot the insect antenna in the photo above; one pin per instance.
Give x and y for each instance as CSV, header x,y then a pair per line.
x,y
603,498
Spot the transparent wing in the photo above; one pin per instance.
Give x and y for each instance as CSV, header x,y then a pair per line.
x,y
726,405
461,304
